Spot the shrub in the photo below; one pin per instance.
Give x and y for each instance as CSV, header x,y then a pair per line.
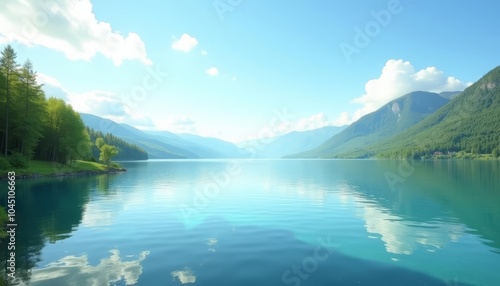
x,y
17,160
496,152
116,165
4,164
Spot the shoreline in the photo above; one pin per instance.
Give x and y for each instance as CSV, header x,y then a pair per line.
x,y
79,173
43,169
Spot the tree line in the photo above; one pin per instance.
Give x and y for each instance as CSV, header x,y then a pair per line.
x,y
34,127
127,151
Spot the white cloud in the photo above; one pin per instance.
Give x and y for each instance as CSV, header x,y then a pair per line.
x,y
178,124
398,78
101,103
52,87
185,44
139,121
98,102
69,27
313,122
46,79
204,53
343,119
213,71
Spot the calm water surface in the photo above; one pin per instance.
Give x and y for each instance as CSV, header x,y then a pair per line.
x,y
263,222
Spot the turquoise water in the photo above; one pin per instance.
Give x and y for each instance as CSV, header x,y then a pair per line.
x,y
263,222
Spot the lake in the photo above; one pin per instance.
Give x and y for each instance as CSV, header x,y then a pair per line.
x,y
263,222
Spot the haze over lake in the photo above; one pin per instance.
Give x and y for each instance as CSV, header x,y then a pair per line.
x,y
264,222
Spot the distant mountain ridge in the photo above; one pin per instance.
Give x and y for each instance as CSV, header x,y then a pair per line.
x,y
392,118
298,141
168,145
164,144
156,149
204,147
470,122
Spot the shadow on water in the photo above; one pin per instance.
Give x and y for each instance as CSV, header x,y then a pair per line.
x,y
247,256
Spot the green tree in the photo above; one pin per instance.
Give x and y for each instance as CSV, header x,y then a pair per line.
x,y
496,152
66,138
127,151
76,142
31,108
8,68
99,142
107,151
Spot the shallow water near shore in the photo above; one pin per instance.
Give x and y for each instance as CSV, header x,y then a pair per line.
x,y
263,222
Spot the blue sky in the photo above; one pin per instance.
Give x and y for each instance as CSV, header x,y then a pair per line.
x,y
239,69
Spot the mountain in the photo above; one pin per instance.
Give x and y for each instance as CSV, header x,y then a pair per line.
x,y
450,94
204,147
470,122
392,118
164,144
298,141
223,148
155,148
108,126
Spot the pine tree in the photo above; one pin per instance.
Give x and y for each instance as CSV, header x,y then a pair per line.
x,y
32,103
8,68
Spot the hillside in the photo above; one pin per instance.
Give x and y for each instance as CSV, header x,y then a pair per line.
x,y
127,151
450,94
469,123
392,118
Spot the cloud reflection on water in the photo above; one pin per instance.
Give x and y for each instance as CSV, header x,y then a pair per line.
x,y
212,244
76,269
404,237
400,235
185,276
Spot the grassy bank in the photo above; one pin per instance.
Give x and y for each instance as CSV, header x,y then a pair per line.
x,y
48,169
